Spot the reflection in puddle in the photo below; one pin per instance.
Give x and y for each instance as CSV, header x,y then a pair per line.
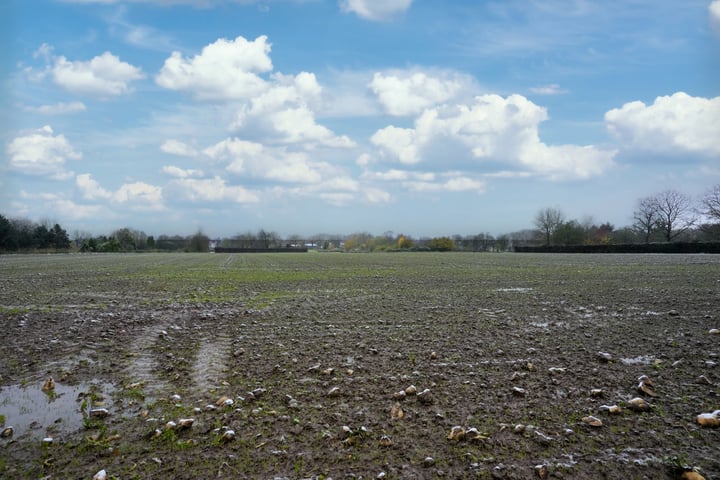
x,y
29,410
640,360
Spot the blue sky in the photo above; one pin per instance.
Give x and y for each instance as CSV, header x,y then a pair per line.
x,y
427,117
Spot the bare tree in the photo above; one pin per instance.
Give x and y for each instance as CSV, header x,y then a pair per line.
x,y
675,213
646,218
711,203
547,221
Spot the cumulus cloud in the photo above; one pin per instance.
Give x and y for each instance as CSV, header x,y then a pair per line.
x,y
104,75
410,94
90,189
714,10
60,108
492,130
176,147
283,111
458,184
135,195
676,123
256,160
224,70
375,9
400,142
41,153
178,172
209,190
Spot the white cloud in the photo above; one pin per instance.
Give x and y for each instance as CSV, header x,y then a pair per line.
x,y
297,125
375,9
408,95
714,10
677,123
104,75
400,142
177,172
550,89
458,184
91,189
41,153
58,204
60,108
74,211
224,70
283,111
140,195
176,147
492,130
253,159
209,190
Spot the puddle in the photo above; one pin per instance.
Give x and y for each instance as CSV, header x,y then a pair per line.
x,y
30,411
641,360
540,324
143,364
211,360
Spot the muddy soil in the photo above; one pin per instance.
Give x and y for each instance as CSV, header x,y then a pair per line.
x,y
358,366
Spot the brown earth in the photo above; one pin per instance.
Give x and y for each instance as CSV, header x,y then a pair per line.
x,y
506,344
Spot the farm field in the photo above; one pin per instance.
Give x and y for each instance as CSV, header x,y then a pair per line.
x,y
325,365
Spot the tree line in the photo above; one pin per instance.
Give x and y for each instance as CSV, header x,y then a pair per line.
x,y
23,234
667,216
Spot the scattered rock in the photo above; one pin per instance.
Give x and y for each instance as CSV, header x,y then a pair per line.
x,y
604,357
334,392
554,370
99,412
101,475
638,404
542,472
592,421
519,392
49,385
711,420
428,461
433,355
691,475
457,433
399,395
543,439
610,409
425,397
7,432
673,313
596,392
646,386
714,331
385,441
411,390
396,412
474,435
185,422
703,380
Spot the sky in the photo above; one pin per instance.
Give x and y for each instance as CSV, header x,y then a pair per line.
x,y
426,117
